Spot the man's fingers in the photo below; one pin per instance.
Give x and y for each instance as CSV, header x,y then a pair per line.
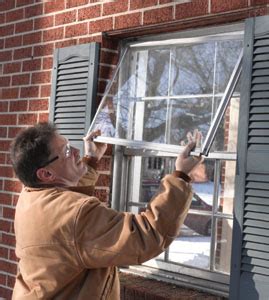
x,y
188,149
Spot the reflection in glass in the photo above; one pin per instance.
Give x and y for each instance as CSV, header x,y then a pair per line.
x,y
227,180
190,249
155,121
190,114
223,245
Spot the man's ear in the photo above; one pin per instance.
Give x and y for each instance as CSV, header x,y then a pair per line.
x,y
45,175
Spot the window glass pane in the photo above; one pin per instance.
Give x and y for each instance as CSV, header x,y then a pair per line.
x,y
157,78
223,245
193,69
226,193
190,249
189,114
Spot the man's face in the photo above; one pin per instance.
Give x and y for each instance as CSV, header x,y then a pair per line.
x,y
68,168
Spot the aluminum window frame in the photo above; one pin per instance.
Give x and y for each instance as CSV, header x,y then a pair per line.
x,y
187,275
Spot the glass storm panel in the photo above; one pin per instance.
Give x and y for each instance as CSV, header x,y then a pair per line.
x,y
158,95
155,116
226,135
157,73
226,186
223,245
190,114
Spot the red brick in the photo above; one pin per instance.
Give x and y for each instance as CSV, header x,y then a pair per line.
x,y
54,5
5,226
12,255
43,50
3,279
103,180
258,2
6,5
136,4
32,38
158,15
12,67
8,267
22,53
192,9
5,199
27,119
7,120
41,77
24,26
2,18
6,30
115,7
76,30
3,252
129,20
65,18
3,133
14,15
5,55
165,1
112,44
24,2
2,158
66,43
21,79
6,172
261,11
4,145
18,105
1,43
73,3
96,38
45,90
10,93
33,11
14,41
11,281
101,25
53,34
8,239
37,105
109,58
29,92
4,81
106,72
43,117
31,65
4,292
89,12
43,22
3,107
47,63
13,131
104,164
227,5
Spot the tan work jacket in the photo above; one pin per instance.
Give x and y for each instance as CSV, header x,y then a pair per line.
x,y
69,243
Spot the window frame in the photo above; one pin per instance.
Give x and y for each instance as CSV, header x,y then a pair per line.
x,y
204,279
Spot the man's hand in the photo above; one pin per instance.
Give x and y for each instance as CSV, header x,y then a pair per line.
x,y
94,149
186,163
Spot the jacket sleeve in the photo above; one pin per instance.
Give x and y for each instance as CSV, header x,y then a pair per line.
x,y
105,237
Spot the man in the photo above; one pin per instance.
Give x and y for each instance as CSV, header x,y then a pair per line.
x,y
68,242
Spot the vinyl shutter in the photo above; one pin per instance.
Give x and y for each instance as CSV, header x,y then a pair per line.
x,y
73,95
250,253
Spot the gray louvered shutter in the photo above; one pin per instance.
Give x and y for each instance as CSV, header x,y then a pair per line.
x,y
250,254
73,94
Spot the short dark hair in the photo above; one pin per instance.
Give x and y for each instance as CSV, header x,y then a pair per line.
x,y
30,150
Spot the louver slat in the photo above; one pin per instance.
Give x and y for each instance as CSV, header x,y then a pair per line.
x,y
256,254
73,94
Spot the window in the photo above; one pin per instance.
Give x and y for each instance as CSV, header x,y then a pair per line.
x,y
161,91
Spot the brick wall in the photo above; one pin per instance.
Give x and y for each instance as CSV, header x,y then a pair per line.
x,y
30,30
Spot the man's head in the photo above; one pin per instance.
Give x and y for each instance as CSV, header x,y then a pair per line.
x,y
40,156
